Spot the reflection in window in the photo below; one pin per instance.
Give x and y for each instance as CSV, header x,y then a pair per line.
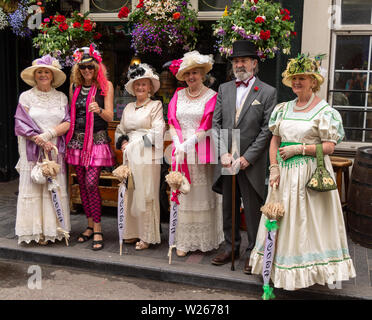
x,y
214,5
352,52
356,12
107,6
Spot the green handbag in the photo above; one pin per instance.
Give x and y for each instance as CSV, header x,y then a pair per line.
x,y
321,179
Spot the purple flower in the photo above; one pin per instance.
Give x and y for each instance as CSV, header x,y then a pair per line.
x,y
17,20
47,60
253,8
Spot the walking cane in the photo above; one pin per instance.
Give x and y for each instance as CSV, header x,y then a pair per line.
x,y
233,223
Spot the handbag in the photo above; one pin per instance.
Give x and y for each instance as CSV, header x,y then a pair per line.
x,y
321,180
37,174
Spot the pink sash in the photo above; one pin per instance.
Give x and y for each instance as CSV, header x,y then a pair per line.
x,y
88,137
203,149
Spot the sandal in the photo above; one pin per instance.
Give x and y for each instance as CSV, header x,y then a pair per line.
x,y
141,245
99,242
84,236
181,253
43,242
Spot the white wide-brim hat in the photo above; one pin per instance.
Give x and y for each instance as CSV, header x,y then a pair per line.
x,y
59,77
141,71
193,60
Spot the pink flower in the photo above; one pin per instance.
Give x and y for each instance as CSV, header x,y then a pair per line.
x,y
175,66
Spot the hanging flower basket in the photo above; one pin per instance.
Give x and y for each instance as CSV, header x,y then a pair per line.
x,y
60,36
162,26
263,22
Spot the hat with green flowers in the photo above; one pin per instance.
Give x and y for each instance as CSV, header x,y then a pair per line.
x,y
303,65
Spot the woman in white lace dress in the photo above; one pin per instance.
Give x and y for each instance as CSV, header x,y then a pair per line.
x,y
190,112
41,121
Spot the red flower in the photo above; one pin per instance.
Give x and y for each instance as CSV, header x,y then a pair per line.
x,y
87,27
140,5
76,25
255,88
60,18
259,20
255,1
63,27
286,17
264,35
97,36
294,33
123,13
39,3
176,15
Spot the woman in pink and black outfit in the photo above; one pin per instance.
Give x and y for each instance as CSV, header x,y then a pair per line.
x,y
190,112
88,149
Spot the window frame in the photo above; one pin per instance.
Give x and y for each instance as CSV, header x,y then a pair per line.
x,y
337,29
113,17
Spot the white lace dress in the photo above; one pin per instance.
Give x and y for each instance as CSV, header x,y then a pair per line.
x,y
199,225
36,217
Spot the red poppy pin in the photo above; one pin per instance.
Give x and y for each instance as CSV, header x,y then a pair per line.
x,y
255,88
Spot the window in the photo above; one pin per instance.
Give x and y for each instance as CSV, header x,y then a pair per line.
x,y
351,76
213,5
107,6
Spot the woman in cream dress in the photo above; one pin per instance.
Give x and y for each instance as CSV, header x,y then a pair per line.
x,y
140,136
311,241
41,121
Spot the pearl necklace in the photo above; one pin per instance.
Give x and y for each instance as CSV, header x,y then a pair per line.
x,y
44,96
295,107
192,95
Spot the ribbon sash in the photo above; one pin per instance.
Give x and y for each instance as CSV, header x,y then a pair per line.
x,y
268,255
173,222
121,211
57,206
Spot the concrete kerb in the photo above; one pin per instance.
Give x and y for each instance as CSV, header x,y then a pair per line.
x,y
164,272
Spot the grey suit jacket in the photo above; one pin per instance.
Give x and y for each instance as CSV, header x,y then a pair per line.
x,y
254,132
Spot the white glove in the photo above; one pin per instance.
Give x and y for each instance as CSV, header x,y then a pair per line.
x,y
48,135
290,151
188,144
274,174
176,141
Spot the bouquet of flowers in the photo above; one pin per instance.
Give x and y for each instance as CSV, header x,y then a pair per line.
x,y
159,25
263,22
60,36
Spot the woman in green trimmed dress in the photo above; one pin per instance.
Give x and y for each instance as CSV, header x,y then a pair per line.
x,y
311,241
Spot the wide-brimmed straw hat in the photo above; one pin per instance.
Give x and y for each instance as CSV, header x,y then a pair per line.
x,y
303,65
141,71
193,60
47,61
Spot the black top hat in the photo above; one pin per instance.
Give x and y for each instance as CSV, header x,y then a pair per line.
x,y
244,48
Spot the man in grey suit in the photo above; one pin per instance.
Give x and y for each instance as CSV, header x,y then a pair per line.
x,y
244,104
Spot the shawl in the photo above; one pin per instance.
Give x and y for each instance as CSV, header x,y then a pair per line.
x,y
25,126
88,136
203,148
